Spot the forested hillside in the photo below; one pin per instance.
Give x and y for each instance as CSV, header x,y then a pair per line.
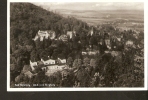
x,y
26,19
95,68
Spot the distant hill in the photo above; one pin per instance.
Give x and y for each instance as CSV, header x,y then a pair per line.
x,y
95,17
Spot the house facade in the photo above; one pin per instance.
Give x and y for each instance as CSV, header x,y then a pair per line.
x,y
48,62
84,53
45,34
32,64
70,34
54,68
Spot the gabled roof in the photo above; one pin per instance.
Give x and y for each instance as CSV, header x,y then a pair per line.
x,y
49,60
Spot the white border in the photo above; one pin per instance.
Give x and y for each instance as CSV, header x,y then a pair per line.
x,y
78,89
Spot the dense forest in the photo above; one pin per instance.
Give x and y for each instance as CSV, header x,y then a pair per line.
x,y
99,70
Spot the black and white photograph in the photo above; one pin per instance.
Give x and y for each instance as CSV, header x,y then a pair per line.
x,y
75,46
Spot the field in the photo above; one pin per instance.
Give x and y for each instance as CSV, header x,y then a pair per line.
x,y
120,18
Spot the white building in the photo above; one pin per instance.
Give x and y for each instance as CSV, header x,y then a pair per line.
x,y
47,34
129,43
62,61
63,38
71,34
91,32
84,53
107,41
48,62
32,64
92,53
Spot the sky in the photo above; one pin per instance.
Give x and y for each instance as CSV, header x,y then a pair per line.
x,y
92,5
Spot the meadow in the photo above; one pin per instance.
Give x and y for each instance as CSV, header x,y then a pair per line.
x,y
120,18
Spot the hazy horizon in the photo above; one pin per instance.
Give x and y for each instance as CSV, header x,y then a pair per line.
x,y
91,5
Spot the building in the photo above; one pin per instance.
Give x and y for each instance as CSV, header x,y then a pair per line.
x,y
117,43
64,38
41,38
36,37
61,61
108,44
70,34
32,65
53,65
129,43
48,33
84,53
44,68
48,62
92,52
91,32
45,34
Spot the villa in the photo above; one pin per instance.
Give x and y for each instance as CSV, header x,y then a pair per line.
x,y
47,62
45,34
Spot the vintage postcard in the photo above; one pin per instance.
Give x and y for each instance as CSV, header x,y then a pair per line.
x,y
76,45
